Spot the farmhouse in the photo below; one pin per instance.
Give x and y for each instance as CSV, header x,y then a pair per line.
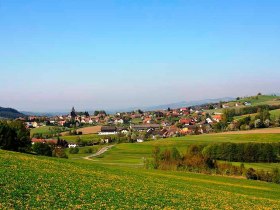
x,y
108,130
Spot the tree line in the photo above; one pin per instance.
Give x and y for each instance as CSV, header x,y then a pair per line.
x,y
198,159
243,152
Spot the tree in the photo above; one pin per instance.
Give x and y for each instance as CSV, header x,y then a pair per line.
x,y
175,155
156,156
42,149
14,136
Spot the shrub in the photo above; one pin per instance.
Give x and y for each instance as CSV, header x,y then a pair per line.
x,y
88,150
59,152
74,150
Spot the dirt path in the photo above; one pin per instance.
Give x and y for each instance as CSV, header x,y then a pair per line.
x,y
100,152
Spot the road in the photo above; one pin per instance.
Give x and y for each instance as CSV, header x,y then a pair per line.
x,y
100,152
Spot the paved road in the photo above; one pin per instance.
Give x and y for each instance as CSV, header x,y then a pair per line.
x,y
100,152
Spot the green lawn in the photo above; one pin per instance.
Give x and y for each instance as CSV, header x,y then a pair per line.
x,y
32,182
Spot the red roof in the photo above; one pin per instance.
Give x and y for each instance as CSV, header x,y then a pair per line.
x,y
48,141
185,121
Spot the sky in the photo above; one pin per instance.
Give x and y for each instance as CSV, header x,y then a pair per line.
x,y
103,54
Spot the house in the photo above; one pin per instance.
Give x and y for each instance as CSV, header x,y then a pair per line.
x,y
72,145
247,103
122,130
208,120
238,104
217,118
186,121
144,127
118,121
35,124
147,120
108,130
225,106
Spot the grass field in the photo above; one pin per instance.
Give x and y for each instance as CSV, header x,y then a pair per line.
x,y
82,151
29,182
117,179
273,115
260,100
134,154
46,130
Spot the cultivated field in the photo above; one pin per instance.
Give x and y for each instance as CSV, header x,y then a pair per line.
x,y
29,182
90,130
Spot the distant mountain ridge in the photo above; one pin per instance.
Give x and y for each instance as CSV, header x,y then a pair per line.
x,y
10,113
145,108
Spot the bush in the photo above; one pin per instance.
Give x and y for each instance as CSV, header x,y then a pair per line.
x,y
88,150
251,174
59,152
74,150
42,149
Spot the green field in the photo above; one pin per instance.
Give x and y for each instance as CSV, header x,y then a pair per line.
x,y
117,179
46,130
29,182
129,154
273,115
82,151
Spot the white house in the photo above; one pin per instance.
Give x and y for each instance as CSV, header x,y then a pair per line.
x,y
208,120
72,145
247,103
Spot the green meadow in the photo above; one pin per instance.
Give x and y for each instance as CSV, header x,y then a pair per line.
x,y
32,182
117,180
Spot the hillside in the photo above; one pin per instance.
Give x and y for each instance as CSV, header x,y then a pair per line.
x,y
29,182
10,113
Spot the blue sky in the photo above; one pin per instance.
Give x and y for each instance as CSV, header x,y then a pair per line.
x,y
118,54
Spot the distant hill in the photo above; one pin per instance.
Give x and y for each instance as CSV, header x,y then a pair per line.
x,y
46,114
188,103
10,113
174,105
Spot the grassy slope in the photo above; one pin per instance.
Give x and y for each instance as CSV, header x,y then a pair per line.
x,y
262,100
129,153
48,183
44,130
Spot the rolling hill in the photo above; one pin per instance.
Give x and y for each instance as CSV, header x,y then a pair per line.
x,y
10,113
33,182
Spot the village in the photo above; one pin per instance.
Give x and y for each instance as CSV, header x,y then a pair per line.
x,y
136,126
